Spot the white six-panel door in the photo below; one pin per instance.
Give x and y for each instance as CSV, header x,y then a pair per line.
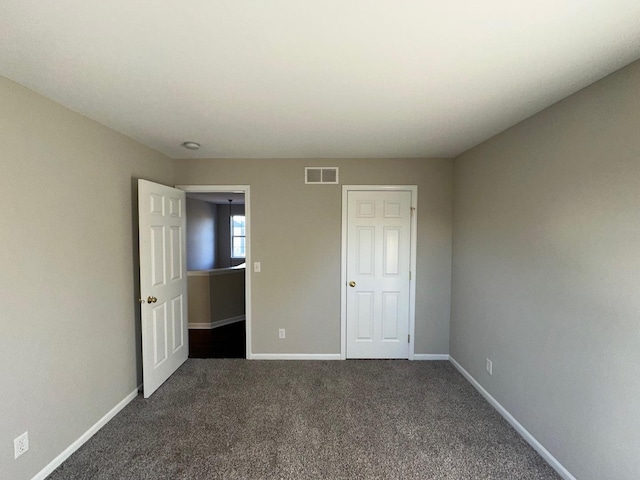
x,y
163,282
378,260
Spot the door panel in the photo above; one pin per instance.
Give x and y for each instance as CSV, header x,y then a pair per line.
x,y
160,335
364,315
178,323
390,315
365,250
391,245
163,279
392,209
174,254
157,256
378,261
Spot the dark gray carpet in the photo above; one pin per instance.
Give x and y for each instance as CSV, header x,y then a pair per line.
x,y
239,419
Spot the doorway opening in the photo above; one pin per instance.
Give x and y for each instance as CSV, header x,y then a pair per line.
x,y
218,251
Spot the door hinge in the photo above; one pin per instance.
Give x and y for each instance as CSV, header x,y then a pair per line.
x,y
408,338
409,275
412,210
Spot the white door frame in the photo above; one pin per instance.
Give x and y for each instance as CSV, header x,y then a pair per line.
x,y
343,274
247,272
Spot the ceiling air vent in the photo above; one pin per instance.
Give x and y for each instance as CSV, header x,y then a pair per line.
x,y
321,175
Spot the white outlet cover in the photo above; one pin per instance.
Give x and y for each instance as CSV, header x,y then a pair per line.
x,y
489,367
257,267
21,444
282,333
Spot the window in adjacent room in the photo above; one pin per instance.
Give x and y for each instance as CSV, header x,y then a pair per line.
x,y
238,236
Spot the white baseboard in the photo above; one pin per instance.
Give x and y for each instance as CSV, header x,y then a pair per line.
x,y
217,323
331,356
294,356
199,326
430,356
228,321
67,452
524,433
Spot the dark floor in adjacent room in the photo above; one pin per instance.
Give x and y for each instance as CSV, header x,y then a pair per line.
x,y
227,341
296,420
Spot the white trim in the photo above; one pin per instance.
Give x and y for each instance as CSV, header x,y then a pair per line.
x,y
217,323
226,271
430,356
228,321
198,273
343,261
215,271
67,452
246,189
199,326
295,356
524,433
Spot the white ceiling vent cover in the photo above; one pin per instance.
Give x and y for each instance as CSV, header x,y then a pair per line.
x,y
321,175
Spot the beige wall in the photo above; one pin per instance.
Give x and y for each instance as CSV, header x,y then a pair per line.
x,y
296,235
69,334
226,292
546,275
199,298
216,295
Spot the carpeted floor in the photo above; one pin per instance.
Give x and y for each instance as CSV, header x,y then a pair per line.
x,y
239,419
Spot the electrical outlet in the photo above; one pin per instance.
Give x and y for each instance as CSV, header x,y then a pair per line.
x,y
21,444
281,333
489,367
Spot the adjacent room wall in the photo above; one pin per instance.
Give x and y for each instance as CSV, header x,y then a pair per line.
x,y
215,296
299,286
69,339
226,293
199,298
224,240
201,234
546,275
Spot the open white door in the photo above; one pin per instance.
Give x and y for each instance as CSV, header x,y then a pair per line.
x,y
163,282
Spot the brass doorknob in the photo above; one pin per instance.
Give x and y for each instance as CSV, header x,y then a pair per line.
x,y
152,300
352,283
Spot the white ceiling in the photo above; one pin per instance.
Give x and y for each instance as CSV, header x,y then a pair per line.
x,y
320,79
